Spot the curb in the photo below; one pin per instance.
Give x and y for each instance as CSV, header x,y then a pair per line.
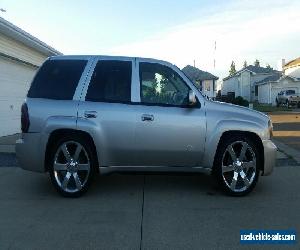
x,y
295,154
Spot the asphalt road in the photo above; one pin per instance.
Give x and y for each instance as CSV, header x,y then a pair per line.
x,y
143,212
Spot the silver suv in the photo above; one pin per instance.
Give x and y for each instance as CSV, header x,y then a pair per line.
x,y
98,114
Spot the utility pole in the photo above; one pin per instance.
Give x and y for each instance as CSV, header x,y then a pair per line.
x,y
215,54
194,63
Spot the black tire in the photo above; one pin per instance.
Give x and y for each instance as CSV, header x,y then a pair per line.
x,y
87,154
222,156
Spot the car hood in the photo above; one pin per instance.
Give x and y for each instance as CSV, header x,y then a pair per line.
x,y
231,111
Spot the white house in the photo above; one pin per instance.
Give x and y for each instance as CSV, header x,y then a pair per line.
x,y
292,68
242,83
205,81
290,79
20,56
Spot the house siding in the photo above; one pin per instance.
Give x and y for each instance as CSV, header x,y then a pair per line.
x,y
231,85
16,49
264,93
208,88
293,72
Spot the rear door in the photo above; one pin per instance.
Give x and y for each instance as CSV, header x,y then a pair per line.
x,y
169,132
107,111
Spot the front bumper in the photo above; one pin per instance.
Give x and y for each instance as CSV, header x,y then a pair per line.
x,y
29,152
270,151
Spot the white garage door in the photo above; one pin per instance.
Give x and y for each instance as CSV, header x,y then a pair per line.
x,y
15,79
263,93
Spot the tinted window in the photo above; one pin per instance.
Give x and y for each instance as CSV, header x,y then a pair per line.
x,y
111,82
57,79
162,85
290,92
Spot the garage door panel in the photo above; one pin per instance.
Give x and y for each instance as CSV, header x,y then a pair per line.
x,y
15,79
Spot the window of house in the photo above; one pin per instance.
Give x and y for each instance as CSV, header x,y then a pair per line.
x,y
110,82
256,90
207,85
162,85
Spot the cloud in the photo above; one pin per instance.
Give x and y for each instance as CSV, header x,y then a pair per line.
x,y
245,30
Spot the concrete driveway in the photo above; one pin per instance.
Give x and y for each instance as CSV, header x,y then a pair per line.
x,y
143,212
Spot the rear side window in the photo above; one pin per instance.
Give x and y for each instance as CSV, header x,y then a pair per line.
x,y
111,82
57,79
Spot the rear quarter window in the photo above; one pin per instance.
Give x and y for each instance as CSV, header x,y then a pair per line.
x,y
57,79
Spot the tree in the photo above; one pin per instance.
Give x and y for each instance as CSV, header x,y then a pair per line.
x,y
245,64
256,63
268,66
232,70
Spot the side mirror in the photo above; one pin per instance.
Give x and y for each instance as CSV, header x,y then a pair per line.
x,y
192,98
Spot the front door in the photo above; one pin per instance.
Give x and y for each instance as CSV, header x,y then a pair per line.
x,y
169,132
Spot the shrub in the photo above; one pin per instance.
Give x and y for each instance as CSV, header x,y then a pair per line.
x,y
240,101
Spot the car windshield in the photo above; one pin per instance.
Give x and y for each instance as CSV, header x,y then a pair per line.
x,y
290,92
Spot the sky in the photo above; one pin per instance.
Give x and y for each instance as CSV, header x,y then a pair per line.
x,y
176,31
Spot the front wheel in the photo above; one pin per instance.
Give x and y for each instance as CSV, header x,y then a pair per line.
x,y
237,165
72,166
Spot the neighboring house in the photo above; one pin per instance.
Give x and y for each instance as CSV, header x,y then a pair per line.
x,y
292,68
242,83
20,56
269,88
205,81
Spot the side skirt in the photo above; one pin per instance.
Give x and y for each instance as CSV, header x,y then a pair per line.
x,y
152,169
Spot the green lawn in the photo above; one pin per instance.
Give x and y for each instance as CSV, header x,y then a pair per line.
x,y
269,108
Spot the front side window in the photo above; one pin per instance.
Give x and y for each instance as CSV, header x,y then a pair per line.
x,y
162,85
110,82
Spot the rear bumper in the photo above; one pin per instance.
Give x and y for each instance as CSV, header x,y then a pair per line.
x,y
270,151
30,154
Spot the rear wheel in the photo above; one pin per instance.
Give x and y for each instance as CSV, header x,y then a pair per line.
x,y
237,165
72,166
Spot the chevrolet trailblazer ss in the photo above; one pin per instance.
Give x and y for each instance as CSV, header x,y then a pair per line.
x,y
97,114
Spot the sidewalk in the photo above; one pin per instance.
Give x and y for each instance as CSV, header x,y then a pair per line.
x,y
7,143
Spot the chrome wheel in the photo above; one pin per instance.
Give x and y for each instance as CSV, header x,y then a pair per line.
x,y
71,166
239,166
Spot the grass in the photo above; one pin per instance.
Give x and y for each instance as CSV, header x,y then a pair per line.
x,y
269,108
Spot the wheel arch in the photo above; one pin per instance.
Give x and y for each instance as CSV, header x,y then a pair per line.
x,y
251,135
58,133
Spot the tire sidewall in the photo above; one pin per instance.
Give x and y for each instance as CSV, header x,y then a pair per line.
x,y
81,140
217,169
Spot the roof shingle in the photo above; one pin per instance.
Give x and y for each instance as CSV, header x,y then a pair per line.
x,y
196,74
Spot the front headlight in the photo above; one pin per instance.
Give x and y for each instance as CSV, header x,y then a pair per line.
x,y
270,127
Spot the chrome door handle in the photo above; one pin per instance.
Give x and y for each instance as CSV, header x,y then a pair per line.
x,y
90,114
147,117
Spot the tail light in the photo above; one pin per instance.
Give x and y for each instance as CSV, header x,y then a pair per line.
x,y
25,122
